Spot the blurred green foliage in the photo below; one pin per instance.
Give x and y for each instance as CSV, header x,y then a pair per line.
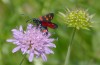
x,y
86,47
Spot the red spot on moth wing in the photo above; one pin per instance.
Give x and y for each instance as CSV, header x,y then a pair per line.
x,y
48,24
44,23
47,18
41,19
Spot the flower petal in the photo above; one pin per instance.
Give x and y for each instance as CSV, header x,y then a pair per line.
x,y
29,26
44,57
31,57
21,29
25,50
14,30
16,49
17,34
10,40
48,51
48,40
16,42
50,45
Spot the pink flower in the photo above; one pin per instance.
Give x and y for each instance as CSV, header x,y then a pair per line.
x,y
32,41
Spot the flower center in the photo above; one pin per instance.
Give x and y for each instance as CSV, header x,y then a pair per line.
x,y
30,45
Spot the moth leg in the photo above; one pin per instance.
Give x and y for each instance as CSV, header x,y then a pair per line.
x,y
45,30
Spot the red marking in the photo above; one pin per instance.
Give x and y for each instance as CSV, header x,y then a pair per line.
x,y
48,24
44,31
47,17
41,18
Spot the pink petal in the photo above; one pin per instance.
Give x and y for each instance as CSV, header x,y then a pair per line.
x,y
14,30
16,42
44,57
37,53
29,26
48,51
10,40
18,34
31,57
16,49
51,40
25,50
21,28
22,49
50,45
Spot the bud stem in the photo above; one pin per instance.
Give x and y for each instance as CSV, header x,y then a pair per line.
x,y
69,47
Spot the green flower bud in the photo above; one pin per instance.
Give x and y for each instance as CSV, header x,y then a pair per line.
x,y
77,18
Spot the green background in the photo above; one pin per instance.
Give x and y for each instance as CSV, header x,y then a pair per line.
x,y
86,44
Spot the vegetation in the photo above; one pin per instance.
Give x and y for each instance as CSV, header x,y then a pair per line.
x,y
86,47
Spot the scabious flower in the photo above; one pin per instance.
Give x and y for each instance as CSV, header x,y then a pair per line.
x,y
77,18
32,41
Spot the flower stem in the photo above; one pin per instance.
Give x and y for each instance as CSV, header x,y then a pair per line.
x,y
69,47
22,60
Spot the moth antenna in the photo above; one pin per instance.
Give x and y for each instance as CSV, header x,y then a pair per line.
x,y
28,20
27,16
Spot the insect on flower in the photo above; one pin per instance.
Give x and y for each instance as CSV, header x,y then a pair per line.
x,y
32,42
45,21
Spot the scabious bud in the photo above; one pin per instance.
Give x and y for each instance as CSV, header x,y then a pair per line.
x,y
77,18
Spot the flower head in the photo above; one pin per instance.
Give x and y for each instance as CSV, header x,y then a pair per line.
x,y
32,41
78,19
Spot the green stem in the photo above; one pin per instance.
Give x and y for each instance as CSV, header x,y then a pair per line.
x,y
22,60
69,47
